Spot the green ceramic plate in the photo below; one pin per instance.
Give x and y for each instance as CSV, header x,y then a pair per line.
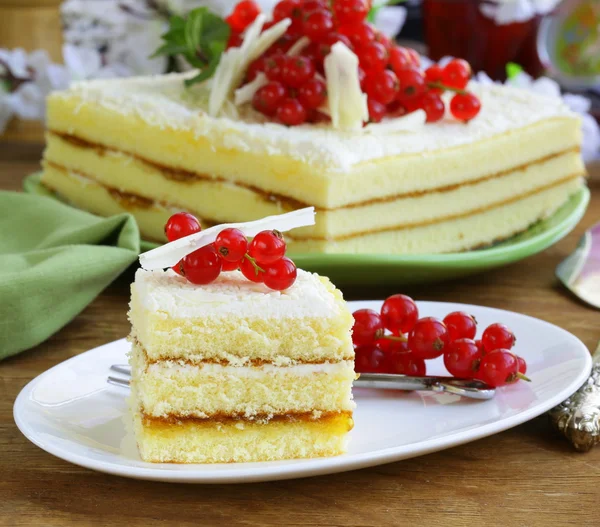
x,y
369,269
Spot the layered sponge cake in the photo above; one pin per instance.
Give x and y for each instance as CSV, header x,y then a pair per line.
x,y
149,146
234,372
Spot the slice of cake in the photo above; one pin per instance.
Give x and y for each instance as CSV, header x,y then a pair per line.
x,y
403,185
232,371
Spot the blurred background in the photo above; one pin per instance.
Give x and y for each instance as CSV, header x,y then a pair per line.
x,y
553,46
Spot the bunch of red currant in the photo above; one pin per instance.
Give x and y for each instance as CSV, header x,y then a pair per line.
x,y
410,341
390,74
260,260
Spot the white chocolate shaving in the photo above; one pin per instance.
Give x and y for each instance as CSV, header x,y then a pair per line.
x,y
246,92
406,123
235,61
169,254
347,103
298,46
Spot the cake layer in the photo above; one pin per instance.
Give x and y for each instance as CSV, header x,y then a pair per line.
x,y
461,234
456,234
158,120
236,320
193,441
177,388
219,201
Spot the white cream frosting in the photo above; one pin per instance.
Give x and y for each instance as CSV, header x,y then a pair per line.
x,y
163,102
169,368
233,295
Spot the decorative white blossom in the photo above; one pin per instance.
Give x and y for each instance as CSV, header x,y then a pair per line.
x,y
509,11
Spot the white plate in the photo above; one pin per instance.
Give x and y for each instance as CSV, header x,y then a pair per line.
x,y
72,413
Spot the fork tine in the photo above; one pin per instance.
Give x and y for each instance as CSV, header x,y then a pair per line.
x,y
124,383
125,369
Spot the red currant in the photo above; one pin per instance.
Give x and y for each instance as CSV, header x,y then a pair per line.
x,y
367,328
360,34
350,11
399,313
497,336
465,106
382,86
319,50
414,57
384,40
433,74
203,266
273,66
296,71
433,106
283,44
498,368
268,98
234,41
308,6
281,274
317,117
251,272
407,364
267,247
462,358
428,338
396,109
392,346
317,24
291,112
373,57
178,267
399,59
285,9
370,359
522,365
377,110
312,93
456,74
180,225
231,244
412,83
460,325
230,266
243,15
256,66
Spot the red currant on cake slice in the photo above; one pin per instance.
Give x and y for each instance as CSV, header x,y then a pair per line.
x,y
255,250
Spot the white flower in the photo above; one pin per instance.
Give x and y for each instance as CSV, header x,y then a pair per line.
x,y
6,111
36,77
509,11
390,20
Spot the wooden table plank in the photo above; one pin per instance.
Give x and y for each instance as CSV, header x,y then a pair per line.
x,y
522,477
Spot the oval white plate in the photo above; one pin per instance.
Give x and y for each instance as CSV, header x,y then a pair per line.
x,y
71,412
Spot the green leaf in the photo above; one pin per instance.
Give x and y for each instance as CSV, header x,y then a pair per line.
x,y
513,70
201,38
168,49
193,29
205,74
375,9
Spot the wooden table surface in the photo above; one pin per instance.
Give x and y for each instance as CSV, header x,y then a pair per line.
x,y
525,476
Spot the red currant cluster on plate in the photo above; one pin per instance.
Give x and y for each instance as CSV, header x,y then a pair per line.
x,y
396,340
261,260
390,74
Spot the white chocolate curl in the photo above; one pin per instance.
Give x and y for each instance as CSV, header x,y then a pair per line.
x,y
169,254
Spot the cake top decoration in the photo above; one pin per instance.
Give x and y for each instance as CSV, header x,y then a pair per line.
x,y
201,256
316,62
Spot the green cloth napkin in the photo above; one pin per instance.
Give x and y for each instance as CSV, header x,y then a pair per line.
x,y
54,260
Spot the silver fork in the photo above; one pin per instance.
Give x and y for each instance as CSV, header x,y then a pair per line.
x,y
382,381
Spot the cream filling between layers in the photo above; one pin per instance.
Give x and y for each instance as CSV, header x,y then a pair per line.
x,y
232,203
175,390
